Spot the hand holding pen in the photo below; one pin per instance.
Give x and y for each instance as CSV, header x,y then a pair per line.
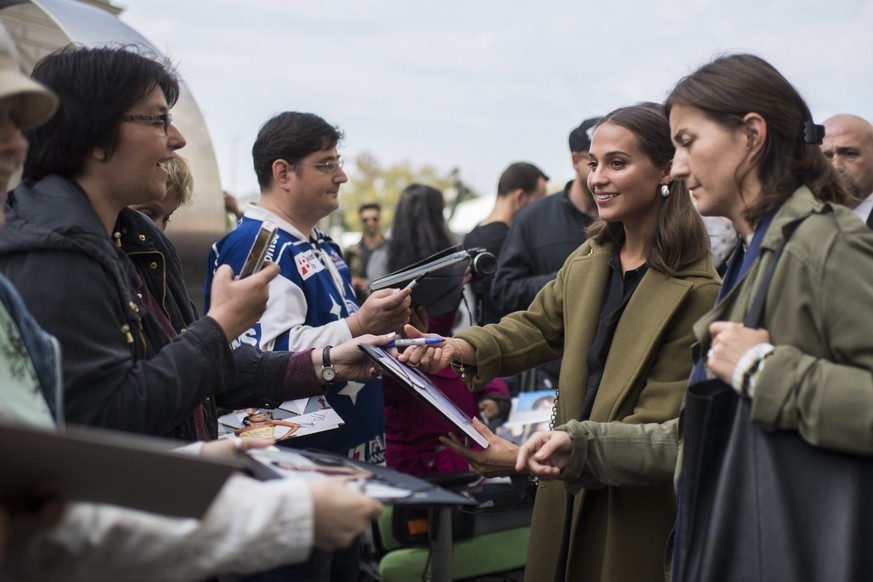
x,y
418,341
435,352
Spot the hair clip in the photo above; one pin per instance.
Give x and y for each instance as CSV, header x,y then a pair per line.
x,y
813,133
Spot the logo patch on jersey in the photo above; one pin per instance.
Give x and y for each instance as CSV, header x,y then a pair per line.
x,y
308,264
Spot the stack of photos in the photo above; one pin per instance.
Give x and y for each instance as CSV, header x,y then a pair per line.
x,y
291,419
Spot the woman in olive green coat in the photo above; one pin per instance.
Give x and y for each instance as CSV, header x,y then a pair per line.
x,y
620,312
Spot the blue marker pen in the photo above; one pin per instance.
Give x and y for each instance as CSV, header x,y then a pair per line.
x,y
420,341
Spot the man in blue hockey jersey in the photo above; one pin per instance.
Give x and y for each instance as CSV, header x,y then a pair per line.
x,y
312,302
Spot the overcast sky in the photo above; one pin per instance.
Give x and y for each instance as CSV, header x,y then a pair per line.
x,y
479,84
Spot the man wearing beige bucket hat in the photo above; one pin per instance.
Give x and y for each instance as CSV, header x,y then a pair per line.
x,y
250,525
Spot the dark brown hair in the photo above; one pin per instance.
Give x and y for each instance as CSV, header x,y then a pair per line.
x,y
729,88
418,229
96,87
290,136
679,238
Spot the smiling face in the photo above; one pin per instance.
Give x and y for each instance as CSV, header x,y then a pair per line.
x,y
623,179
135,173
710,159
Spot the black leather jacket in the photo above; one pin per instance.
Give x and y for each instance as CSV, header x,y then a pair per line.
x,y
120,370
542,236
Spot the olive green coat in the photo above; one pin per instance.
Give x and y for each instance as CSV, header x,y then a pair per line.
x,y
618,533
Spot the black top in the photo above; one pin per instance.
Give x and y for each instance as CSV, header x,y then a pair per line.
x,y
490,237
620,288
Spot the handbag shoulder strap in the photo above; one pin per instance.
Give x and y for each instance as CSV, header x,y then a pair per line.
x,y
755,316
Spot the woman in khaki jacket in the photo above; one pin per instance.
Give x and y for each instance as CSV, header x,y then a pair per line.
x,y
620,313
748,151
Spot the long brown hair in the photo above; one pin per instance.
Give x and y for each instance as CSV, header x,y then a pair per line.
x,y
680,237
729,88
419,228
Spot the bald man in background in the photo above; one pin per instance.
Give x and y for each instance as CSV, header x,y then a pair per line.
x,y
848,145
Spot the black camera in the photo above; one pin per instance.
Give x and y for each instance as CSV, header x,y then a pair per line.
x,y
483,263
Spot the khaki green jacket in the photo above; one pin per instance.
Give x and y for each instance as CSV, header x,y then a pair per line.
x,y
819,312
819,379
618,534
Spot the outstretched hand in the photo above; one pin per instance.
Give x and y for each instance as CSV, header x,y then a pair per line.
x,y
545,454
429,359
495,461
350,361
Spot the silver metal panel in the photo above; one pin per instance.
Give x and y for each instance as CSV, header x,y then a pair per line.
x,y
39,27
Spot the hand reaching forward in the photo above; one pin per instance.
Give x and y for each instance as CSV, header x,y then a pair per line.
x,y
545,454
432,359
341,514
349,361
495,461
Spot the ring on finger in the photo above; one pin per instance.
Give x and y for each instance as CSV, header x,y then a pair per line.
x,y
411,365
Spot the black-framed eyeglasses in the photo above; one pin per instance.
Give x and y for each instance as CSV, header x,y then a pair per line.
x,y
162,120
325,167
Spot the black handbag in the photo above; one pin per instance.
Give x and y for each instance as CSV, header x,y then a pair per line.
x,y
763,506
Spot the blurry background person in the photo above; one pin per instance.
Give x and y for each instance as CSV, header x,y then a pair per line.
x,y
542,237
232,211
357,256
412,431
848,145
621,311
520,184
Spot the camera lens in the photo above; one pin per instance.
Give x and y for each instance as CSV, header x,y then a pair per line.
x,y
484,264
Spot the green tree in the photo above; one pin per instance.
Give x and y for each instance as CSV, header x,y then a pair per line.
x,y
370,181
